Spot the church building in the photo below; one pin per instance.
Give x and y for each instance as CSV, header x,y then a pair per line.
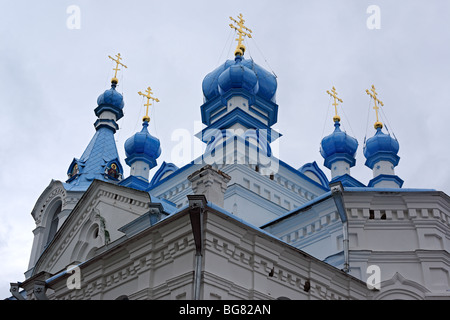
x,y
236,222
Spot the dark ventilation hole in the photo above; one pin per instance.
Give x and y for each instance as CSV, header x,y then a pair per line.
x,y
271,272
383,216
115,197
257,168
371,215
307,286
272,177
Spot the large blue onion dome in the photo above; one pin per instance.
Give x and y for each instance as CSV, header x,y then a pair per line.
x,y
110,100
240,73
338,146
142,146
381,147
238,76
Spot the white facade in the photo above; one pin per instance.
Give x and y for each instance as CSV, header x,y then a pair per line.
x,y
403,232
158,262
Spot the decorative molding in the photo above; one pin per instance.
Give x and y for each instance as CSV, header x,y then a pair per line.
x,y
77,217
59,192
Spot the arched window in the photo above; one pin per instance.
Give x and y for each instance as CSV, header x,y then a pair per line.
x,y
52,222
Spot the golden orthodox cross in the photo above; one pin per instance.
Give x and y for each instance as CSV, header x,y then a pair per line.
x,y
333,93
240,47
149,97
117,61
374,94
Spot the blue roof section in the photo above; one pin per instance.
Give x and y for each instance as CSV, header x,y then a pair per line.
x,y
134,182
306,205
348,181
386,177
396,190
100,151
336,260
168,206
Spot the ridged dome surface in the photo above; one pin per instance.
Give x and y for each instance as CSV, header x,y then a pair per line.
x,y
381,143
240,73
338,142
143,146
111,97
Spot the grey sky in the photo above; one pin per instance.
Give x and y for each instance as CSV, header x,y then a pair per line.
x,y
51,76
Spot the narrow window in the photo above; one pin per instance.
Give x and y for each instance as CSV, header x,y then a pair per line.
x,y
53,227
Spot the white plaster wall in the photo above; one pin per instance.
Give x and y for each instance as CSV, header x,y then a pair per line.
x,y
383,167
339,168
140,169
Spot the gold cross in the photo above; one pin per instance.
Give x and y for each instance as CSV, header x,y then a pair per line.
x,y
149,92
117,61
240,47
374,94
333,93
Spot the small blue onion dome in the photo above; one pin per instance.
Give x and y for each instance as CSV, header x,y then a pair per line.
x,y
240,73
381,147
142,146
110,100
338,146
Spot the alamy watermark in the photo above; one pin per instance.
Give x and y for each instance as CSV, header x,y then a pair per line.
x,y
374,20
228,146
74,280
74,19
374,280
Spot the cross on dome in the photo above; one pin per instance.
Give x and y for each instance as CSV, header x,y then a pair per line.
x,y
240,49
149,97
114,80
333,93
373,95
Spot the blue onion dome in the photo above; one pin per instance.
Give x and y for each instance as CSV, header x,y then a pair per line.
x,y
142,146
381,147
338,146
238,76
110,100
240,73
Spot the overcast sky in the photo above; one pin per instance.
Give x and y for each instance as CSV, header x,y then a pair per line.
x,y
51,76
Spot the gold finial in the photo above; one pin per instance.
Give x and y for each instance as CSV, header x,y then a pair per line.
x,y
374,94
149,92
240,47
333,93
117,61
